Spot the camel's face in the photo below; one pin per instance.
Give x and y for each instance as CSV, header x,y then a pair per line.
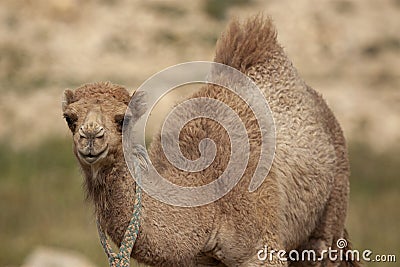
x,y
96,127
95,114
95,120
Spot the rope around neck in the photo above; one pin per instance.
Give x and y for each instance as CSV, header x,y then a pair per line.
x,y
122,258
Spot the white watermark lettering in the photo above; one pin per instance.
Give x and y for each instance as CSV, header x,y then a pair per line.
x,y
331,254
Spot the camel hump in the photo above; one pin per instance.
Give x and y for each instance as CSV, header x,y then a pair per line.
x,y
247,44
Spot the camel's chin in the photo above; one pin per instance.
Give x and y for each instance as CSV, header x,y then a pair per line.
x,y
93,159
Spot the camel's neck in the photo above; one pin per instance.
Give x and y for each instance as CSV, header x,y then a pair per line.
x,y
112,191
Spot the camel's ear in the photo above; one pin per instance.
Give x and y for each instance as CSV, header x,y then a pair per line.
x,y
68,98
138,105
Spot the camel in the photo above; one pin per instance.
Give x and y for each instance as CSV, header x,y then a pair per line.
x,y
301,205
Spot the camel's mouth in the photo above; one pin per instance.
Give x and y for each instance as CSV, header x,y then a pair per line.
x,y
92,158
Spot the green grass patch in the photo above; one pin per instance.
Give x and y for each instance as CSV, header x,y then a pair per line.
x,y
42,203
373,173
217,8
375,191
167,10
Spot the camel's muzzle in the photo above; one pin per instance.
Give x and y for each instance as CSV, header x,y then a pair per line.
x,y
92,144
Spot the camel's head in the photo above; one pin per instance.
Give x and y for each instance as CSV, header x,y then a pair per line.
x,y
95,114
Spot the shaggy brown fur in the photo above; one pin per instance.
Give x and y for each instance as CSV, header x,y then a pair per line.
x,y
301,205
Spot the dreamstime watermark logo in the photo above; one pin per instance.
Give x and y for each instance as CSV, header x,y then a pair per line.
x,y
340,253
242,86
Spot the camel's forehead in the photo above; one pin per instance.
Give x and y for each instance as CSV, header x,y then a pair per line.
x,y
99,99
103,91
100,103
103,97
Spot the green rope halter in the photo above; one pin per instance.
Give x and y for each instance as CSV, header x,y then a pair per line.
x,y
122,259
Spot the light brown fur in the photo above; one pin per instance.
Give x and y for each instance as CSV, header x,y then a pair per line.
x,y
302,203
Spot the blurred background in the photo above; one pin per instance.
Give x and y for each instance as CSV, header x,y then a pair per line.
x,y
346,49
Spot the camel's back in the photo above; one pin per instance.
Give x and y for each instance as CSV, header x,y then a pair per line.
x,y
304,122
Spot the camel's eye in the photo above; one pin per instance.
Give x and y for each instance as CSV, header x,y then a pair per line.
x,y
71,121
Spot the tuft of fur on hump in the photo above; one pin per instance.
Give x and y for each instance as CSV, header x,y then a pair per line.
x,y
244,45
103,89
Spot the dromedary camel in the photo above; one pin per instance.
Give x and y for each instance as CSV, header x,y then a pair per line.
x,y
301,205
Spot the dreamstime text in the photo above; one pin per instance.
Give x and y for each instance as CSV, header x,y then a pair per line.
x,y
332,254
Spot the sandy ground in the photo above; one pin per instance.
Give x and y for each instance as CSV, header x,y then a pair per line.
x,y
347,50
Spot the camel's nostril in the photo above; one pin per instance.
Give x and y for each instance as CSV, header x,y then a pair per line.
x,y
100,134
82,132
